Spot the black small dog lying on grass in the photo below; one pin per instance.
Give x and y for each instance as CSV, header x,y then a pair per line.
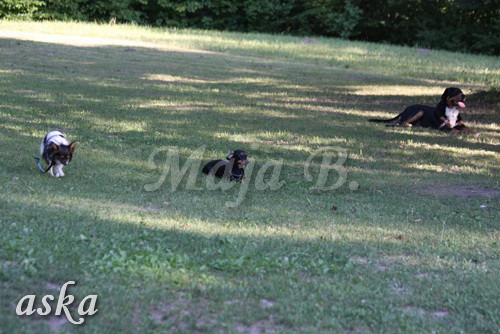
x,y
233,168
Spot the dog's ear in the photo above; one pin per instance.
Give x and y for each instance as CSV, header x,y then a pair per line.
x,y
230,155
451,92
446,94
72,146
53,147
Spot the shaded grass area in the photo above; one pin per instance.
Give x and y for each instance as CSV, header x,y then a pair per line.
x,y
395,255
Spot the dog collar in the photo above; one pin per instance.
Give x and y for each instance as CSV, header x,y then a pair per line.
x,y
236,177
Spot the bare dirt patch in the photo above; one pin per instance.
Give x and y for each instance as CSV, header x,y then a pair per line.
x,y
52,286
440,314
422,275
8,263
179,314
56,323
360,260
266,326
400,289
414,310
265,304
389,262
422,312
137,317
456,190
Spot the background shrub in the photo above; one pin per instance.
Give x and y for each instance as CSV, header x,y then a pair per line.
x,y
456,25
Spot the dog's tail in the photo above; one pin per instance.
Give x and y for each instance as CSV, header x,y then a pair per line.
x,y
376,120
206,169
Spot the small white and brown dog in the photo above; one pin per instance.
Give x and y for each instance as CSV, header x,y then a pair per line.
x,y
57,152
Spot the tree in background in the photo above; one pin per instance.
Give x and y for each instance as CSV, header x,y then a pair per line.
x,y
456,25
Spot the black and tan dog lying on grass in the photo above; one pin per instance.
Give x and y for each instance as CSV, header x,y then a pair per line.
x,y
445,116
233,168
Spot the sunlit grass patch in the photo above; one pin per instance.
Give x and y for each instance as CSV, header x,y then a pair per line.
x,y
381,59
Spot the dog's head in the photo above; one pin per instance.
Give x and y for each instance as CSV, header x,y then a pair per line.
x,y
61,153
240,158
453,97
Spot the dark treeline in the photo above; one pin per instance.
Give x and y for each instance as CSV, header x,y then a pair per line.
x,y
457,25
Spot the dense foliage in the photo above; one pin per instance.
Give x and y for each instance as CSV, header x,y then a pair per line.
x,y
457,25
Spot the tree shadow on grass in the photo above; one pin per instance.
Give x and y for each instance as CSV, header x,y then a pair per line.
x,y
241,275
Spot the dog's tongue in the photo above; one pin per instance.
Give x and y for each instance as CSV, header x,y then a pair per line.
x,y
461,104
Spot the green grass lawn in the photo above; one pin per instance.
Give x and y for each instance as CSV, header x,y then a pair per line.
x,y
414,248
